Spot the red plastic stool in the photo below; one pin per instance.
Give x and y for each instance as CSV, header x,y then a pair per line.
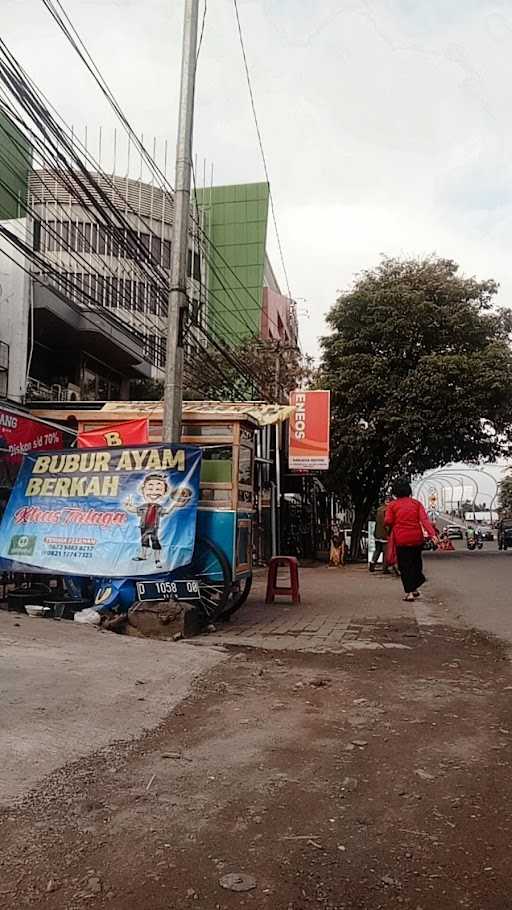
x,y
272,587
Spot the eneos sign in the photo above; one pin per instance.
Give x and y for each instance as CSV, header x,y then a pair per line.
x,y
309,430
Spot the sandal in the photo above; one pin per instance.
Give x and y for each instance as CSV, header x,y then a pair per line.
x,y
409,598
416,594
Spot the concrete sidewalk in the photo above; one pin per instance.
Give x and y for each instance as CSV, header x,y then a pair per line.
x,y
68,690
341,610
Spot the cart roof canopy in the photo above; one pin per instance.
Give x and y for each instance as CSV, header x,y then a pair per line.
x,y
256,412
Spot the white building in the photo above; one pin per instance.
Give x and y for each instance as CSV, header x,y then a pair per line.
x,y
99,266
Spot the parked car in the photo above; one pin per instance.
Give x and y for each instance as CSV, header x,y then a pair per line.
x,y
455,532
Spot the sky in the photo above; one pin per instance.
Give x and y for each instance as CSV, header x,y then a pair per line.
x,y
386,123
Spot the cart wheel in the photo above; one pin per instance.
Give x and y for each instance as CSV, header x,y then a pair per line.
x,y
238,596
210,568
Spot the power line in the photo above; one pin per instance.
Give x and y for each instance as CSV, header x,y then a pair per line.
x,y
260,142
92,67
201,36
81,49
81,180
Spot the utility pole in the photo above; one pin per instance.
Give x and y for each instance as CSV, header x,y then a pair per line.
x,y
173,386
277,375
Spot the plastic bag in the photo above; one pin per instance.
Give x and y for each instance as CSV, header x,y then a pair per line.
x,y
88,617
390,557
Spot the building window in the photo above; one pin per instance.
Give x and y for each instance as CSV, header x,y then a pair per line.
x,y
93,291
72,239
116,238
4,369
156,248
102,240
144,245
98,384
79,227
87,238
141,296
100,293
36,236
166,259
163,297
63,234
131,241
108,292
154,349
152,302
115,292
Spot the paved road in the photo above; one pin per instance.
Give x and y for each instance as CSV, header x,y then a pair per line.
x,y
476,586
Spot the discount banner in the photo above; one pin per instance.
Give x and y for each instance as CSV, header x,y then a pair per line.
x,y
19,435
104,512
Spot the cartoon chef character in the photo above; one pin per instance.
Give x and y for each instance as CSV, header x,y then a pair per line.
x,y
155,490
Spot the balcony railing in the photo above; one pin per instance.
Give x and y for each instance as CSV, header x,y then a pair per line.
x,y
39,391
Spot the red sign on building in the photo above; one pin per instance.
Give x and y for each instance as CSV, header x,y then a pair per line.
x,y
309,430
20,434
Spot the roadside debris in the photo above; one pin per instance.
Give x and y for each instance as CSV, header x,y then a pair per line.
x,y
238,881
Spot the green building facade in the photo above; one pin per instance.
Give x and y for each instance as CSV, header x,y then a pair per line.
x,y
235,219
15,164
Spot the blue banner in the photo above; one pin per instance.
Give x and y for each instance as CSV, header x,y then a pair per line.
x,y
103,512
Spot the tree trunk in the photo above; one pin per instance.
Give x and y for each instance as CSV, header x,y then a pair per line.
x,y
360,520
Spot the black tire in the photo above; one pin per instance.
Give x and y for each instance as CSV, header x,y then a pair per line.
x,y
211,569
237,598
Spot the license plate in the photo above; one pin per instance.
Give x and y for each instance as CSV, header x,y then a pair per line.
x,y
168,590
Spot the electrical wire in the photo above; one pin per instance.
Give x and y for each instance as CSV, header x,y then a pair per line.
x,y
201,36
260,143
79,46
94,70
80,179
160,277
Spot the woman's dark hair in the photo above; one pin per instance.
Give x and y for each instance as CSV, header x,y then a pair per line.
x,y
402,488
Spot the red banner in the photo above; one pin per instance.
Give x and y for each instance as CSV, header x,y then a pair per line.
x,y
309,431
20,434
127,433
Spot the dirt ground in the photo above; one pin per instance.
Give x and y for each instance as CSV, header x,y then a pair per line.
x,y
371,779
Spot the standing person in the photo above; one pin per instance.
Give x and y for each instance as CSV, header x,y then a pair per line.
x,y
381,539
408,520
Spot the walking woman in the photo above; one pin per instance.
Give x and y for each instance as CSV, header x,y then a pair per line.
x,y
409,522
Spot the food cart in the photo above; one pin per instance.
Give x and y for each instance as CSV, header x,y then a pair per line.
x,y
222,560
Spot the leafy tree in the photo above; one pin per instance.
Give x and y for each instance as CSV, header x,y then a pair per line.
x,y
227,375
277,369
421,374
